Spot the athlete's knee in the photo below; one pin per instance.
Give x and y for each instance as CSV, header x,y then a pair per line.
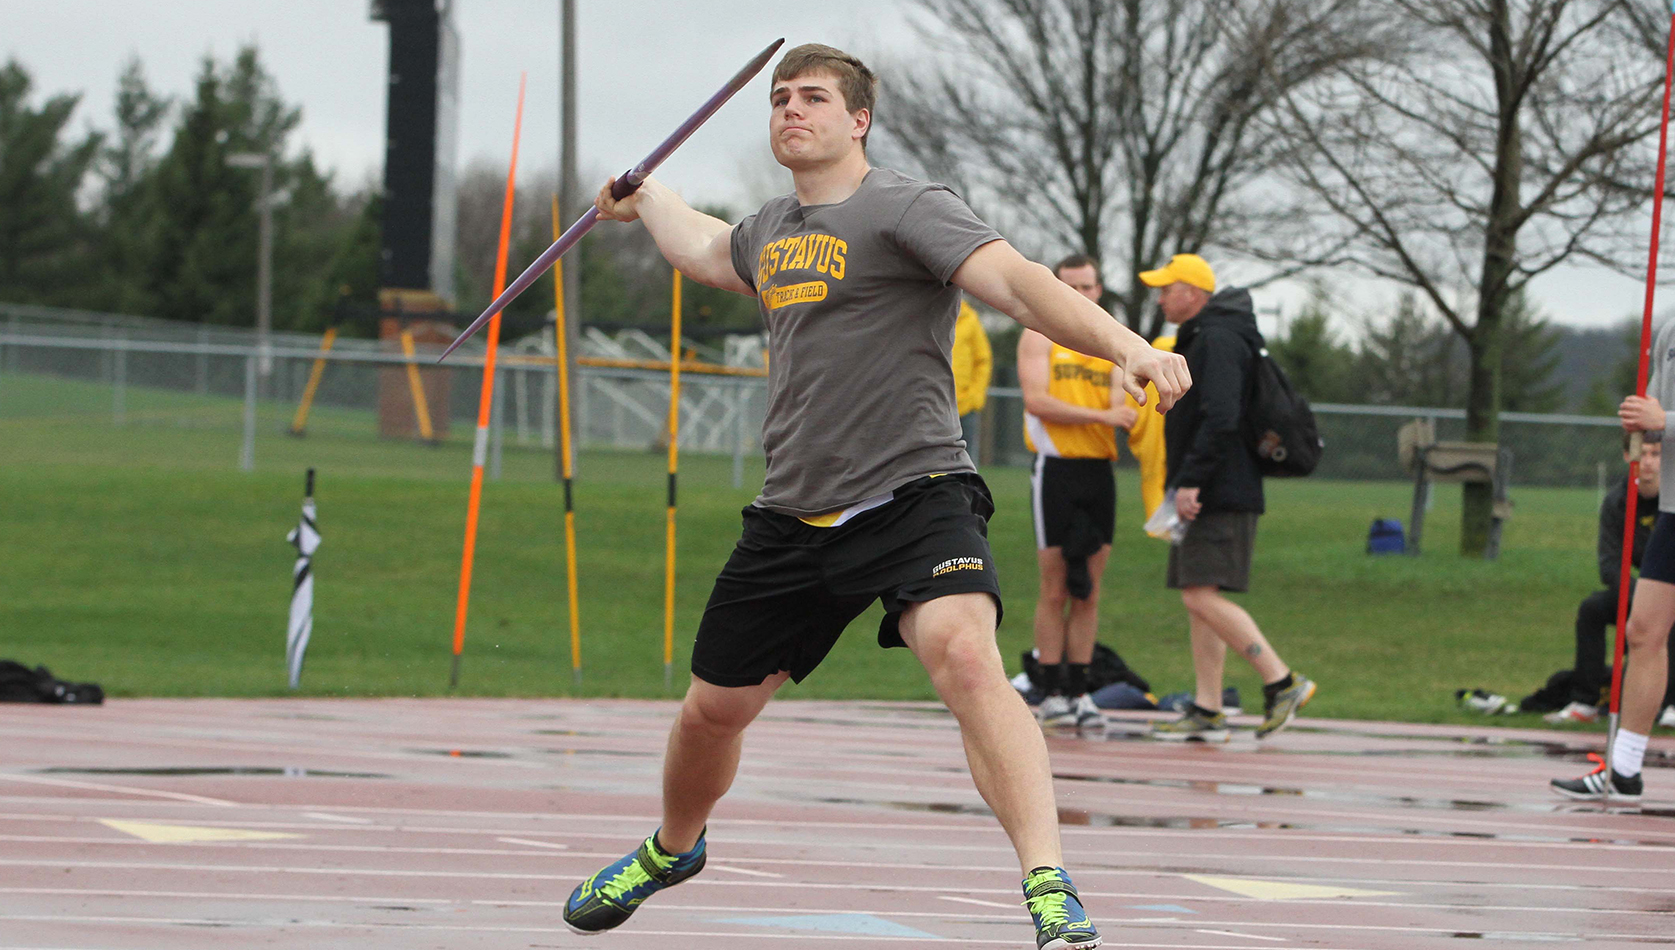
x,y
1199,600
1642,635
956,643
715,711
1053,598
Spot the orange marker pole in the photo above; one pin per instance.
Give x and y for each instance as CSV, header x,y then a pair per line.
x,y
480,451
674,465
564,452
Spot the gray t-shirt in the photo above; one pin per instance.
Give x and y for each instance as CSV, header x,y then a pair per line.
x,y
860,318
1661,386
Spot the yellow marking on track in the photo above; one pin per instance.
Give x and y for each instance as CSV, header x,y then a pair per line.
x,y
1282,890
182,834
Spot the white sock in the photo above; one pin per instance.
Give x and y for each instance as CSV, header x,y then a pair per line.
x,y
1628,753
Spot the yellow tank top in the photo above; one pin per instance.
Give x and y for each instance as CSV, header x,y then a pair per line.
x,y
1080,380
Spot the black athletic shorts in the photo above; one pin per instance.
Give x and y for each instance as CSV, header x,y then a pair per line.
x,y
791,588
1060,487
1658,563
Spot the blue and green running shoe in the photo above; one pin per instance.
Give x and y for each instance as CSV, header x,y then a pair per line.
x,y
607,898
1060,921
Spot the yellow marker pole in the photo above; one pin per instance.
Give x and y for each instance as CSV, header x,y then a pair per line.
x,y
420,408
564,452
674,464
300,423
479,452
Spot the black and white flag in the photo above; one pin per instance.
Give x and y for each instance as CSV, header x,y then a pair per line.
x,y
306,538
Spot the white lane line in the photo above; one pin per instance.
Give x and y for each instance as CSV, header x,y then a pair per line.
x,y
734,870
533,844
1440,840
1234,933
973,900
795,885
763,934
773,935
222,895
121,789
882,865
342,818
1445,825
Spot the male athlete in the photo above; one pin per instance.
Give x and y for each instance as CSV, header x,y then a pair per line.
x,y
869,493
1071,424
1652,612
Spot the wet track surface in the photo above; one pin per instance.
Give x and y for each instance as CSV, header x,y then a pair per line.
x,y
462,824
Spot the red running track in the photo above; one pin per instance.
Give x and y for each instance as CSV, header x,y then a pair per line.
x,y
461,824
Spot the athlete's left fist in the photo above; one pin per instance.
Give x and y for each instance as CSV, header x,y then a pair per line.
x,y
1166,371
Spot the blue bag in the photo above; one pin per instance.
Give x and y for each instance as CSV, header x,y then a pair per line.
x,y
1385,537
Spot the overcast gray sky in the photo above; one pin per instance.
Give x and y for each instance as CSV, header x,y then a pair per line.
x,y
636,82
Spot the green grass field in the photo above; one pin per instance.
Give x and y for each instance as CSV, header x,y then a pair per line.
x,y
139,557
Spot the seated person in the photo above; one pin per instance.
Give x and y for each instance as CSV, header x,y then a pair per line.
x,y
1599,609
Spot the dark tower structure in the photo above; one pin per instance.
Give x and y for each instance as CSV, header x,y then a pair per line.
x,y
419,147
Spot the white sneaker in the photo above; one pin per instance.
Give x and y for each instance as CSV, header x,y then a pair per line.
x,y
1667,720
1574,712
1089,717
1056,712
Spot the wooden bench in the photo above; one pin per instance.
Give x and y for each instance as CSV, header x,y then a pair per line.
x,y
1431,461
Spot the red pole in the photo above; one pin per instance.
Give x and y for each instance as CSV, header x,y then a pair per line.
x,y
480,449
1630,511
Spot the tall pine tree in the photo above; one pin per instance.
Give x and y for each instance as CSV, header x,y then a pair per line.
x,y
43,233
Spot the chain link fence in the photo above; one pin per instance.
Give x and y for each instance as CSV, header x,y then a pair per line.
x,y
131,371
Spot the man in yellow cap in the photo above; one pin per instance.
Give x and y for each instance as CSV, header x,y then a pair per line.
x,y
1217,491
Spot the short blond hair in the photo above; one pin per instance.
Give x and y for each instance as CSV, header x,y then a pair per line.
x,y
856,83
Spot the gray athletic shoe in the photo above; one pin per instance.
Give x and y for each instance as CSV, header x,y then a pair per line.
x,y
1283,707
1056,712
1089,717
1194,726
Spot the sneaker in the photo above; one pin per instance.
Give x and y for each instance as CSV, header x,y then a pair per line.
x,y
1573,712
1194,725
607,898
1060,921
1281,709
1056,712
1089,717
1595,786
1667,720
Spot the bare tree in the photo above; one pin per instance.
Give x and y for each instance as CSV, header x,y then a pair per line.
x,y
1124,129
1493,144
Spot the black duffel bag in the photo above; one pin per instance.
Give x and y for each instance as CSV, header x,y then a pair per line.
x,y
20,684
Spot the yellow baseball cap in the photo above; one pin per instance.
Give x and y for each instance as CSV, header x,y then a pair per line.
x,y
1183,268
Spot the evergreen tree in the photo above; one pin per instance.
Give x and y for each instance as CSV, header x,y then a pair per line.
x,y
43,233
1412,360
1320,366
203,260
126,164
1528,359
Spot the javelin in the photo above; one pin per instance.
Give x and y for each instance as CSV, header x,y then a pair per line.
x,y
1631,503
626,185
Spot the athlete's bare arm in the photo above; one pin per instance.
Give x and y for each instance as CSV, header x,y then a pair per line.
x,y
1035,354
698,245
1029,293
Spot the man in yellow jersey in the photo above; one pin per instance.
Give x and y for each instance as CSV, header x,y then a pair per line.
x,y
1218,493
1070,423
973,367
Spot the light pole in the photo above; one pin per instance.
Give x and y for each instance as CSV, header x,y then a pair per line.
x,y
264,253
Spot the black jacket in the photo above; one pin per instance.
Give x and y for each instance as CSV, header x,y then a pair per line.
x,y
1203,433
1611,513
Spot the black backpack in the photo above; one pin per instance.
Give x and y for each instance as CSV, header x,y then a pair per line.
x,y
20,684
1279,425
